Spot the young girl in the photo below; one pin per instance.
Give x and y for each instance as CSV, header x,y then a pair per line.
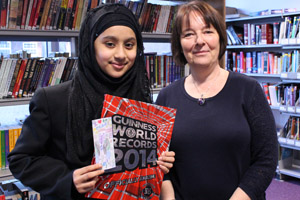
x,y
54,151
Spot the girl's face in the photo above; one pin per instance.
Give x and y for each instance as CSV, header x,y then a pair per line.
x,y
200,43
116,50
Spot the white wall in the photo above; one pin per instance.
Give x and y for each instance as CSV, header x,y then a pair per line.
x,y
248,6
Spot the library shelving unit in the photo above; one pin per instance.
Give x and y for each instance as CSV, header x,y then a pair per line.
x,y
289,147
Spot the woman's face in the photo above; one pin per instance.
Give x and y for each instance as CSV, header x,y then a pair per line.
x,y
200,43
116,50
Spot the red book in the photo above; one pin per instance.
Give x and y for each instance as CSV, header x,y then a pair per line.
x,y
32,15
24,14
3,14
19,78
148,133
37,13
266,90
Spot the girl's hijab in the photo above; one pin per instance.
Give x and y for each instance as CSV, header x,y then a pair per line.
x,y
91,83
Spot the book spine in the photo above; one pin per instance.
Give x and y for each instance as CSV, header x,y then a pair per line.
x,y
19,78
24,12
19,14
25,76
3,13
57,14
29,78
68,14
8,13
62,15
28,13
9,77
50,14
14,78
13,12
32,15
37,14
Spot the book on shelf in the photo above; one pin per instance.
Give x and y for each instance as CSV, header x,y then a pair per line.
x,y
14,79
62,15
36,18
24,13
9,77
44,15
25,77
232,12
19,78
48,16
29,78
19,14
13,13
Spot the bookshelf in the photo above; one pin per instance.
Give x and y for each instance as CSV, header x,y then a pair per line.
x,y
277,74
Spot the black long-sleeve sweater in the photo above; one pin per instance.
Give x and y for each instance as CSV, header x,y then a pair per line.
x,y
228,142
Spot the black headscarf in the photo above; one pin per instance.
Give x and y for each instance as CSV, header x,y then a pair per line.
x,y
91,83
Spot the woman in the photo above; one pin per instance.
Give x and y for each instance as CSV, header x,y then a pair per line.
x,y
224,134
54,152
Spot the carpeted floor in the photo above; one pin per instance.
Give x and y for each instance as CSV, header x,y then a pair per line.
x,y
288,189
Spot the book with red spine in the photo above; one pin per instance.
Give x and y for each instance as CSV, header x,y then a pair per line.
x,y
32,15
19,78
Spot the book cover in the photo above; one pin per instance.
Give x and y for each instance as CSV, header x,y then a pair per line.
x,y
141,131
103,143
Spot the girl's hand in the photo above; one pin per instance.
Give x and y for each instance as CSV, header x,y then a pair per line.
x,y
85,178
166,160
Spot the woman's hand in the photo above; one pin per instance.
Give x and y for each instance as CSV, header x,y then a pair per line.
x,y
166,160
86,178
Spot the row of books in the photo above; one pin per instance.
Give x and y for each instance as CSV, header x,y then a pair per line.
x,y
156,18
43,14
162,70
291,129
21,77
273,11
282,95
262,62
69,14
15,190
285,32
8,139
